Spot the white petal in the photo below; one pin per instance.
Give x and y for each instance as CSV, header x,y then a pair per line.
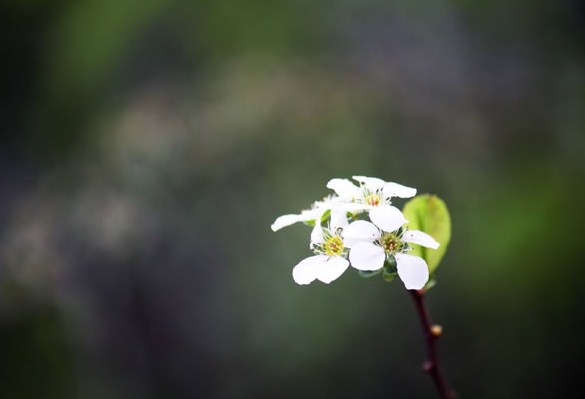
x,y
304,216
312,214
367,256
317,234
332,269
371,183
306,270
412,270
387,217
319,208
346,206
338,219
343,187
420,238
360,231
284,221
398,190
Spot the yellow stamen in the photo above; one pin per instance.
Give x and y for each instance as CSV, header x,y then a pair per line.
x,y
372,199
391,243
333,246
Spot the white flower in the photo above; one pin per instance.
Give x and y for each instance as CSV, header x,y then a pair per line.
x,y
316,212
373,195
287,220
330,259
370,245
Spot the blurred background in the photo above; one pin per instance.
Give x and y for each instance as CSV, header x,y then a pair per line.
x,y
146,147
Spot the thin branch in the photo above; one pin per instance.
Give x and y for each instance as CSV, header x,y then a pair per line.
x,y
431,334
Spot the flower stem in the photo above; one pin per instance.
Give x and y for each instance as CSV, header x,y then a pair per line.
x,y
431,334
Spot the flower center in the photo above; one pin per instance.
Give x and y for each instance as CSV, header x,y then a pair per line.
x,y
391,243
333,246
372,199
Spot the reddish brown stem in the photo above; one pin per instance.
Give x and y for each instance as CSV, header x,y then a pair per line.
x,y
431,334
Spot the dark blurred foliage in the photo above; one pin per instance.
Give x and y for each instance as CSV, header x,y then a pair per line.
x,y
148,145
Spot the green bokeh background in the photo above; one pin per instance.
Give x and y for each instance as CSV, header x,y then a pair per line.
x,y
148,145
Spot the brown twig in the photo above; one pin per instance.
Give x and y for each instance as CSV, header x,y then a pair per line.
x,y
431,334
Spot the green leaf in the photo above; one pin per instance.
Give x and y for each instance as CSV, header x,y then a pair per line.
x,y
389,276
429,213
390,269
325,216
368,274
324,219
431,283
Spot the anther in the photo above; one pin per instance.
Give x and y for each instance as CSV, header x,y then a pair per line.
x,y
436,330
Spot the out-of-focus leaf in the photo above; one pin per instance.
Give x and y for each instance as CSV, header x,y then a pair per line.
x,y
431,283
429,213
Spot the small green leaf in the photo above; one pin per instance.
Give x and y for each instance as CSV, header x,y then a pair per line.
x,y
390,264
390,269
429,213
389,276
325,216
431,283
368,274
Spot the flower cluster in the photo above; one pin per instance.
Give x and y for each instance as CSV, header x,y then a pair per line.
x,y
342,235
